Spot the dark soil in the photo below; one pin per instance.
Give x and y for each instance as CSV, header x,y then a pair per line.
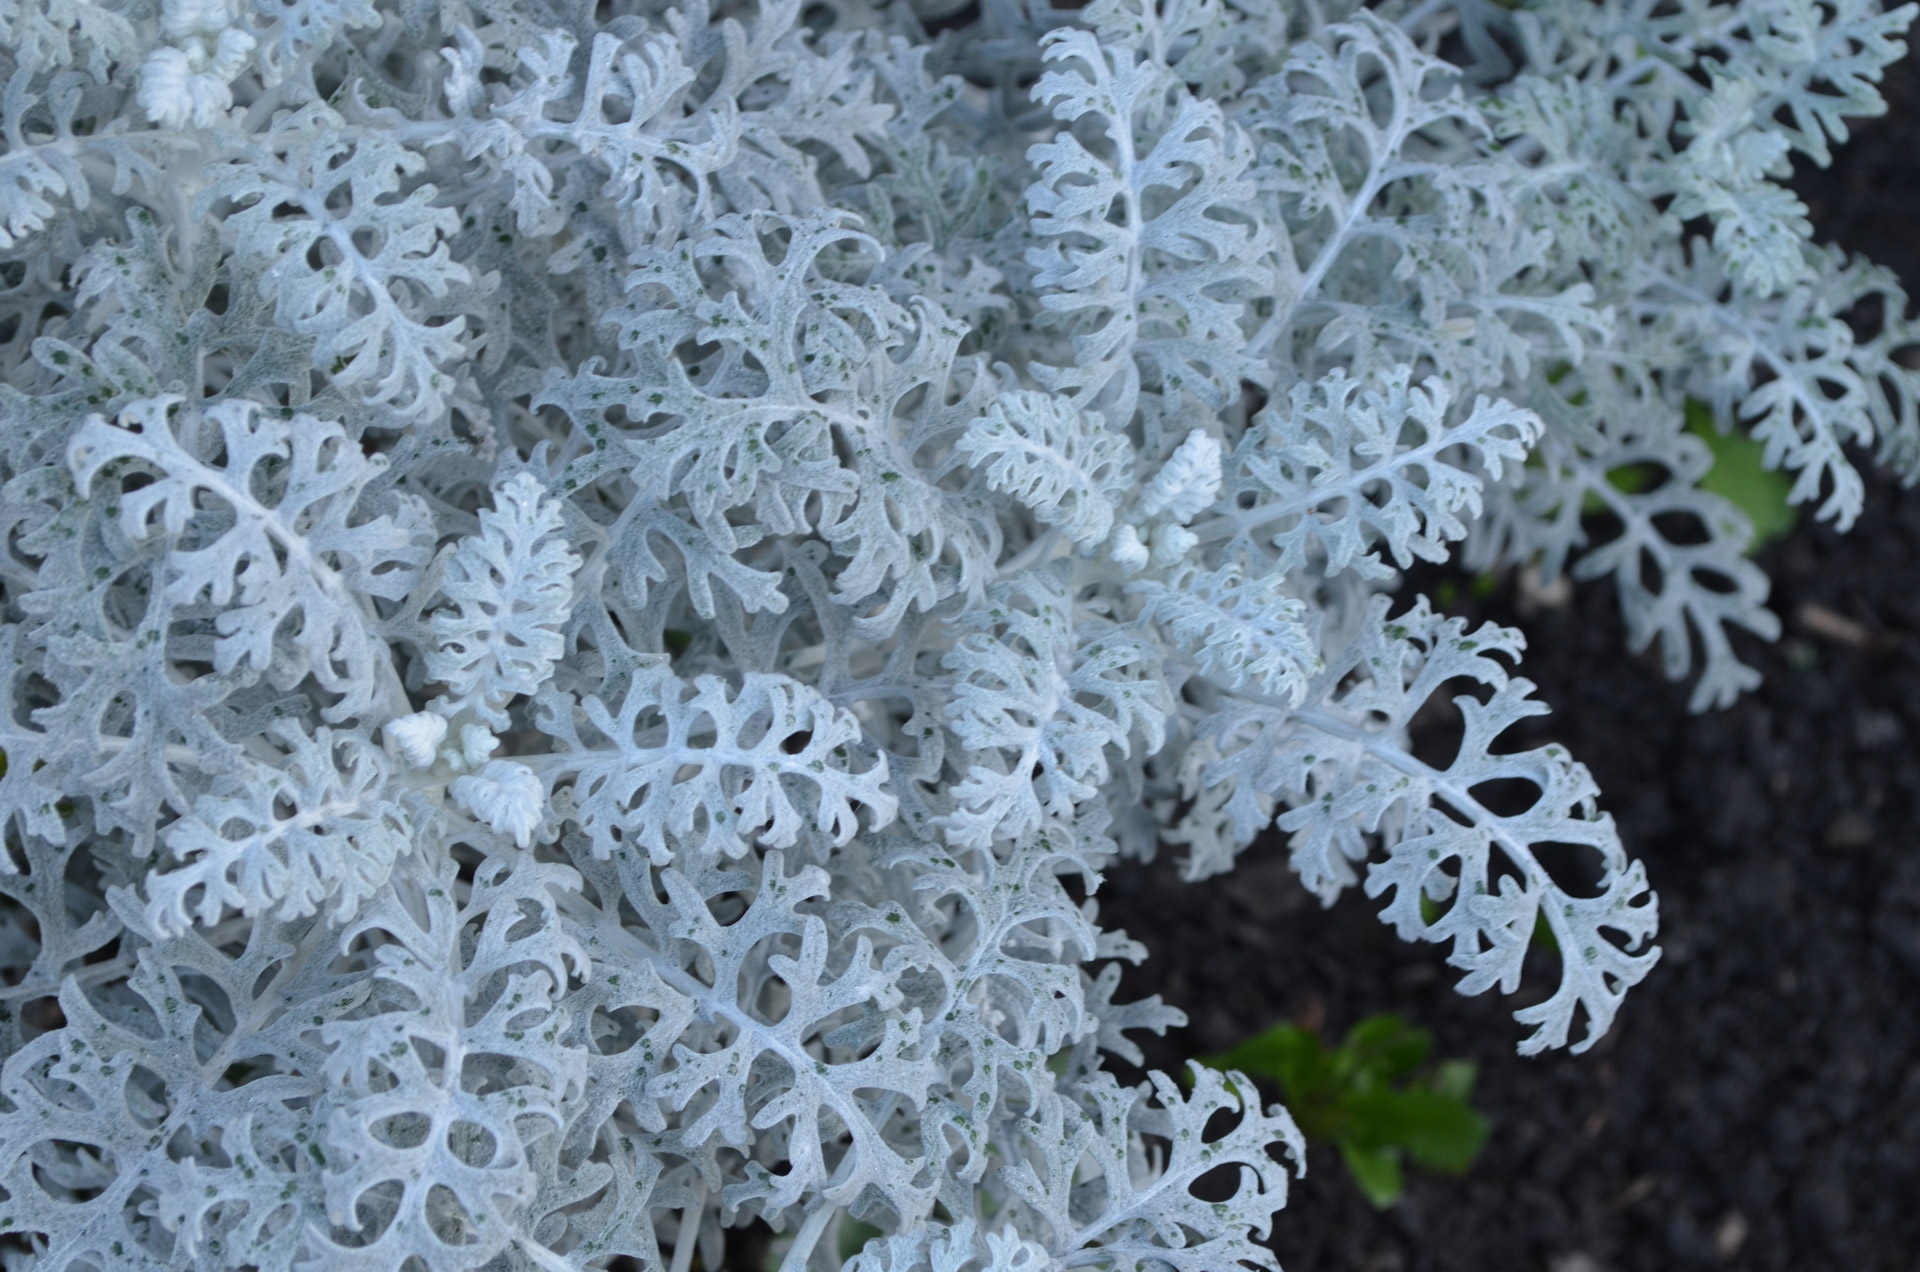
x,y
1757,1103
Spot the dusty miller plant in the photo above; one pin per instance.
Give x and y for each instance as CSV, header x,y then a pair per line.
x,y
590,588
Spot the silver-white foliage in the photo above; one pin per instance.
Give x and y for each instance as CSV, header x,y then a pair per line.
x,y
714,770
590,590
1340,764
1238,624
509,588
263,523
1053,458
1149,248
1039,708
1339,475
333,846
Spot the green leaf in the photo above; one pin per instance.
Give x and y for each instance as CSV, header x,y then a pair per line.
x,y
1740,476
1441,1133
1628,479
1286,1054
1299,1063
1384,1047
1370,1097
1376,1170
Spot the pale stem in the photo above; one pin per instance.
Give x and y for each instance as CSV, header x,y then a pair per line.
x,y
805,1239
689,1234
1034,553
91,974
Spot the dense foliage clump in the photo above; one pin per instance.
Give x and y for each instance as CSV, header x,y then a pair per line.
x,y
590,588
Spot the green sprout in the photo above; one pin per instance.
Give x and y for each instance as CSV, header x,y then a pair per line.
x,y
1374,1097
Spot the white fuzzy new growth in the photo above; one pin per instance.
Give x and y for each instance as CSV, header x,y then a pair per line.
x,y
189,84
587,605
506,797
416,737
1187,484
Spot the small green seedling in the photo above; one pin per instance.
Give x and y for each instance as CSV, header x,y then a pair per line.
x,y
1374,1097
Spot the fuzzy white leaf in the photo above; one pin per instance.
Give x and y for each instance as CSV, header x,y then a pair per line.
x,y
1340,762
710,770
1239,627
1153,297
511,586
331,848
1042,708
1348,468
282,531
1053,458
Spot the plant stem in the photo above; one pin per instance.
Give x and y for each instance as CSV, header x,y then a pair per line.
x,y
807,1238
689,1234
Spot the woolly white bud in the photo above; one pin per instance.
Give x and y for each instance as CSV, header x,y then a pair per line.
x,y
476,744
230,54
1129,552
1170,543
174,93
164,92
506,796
1187,483
416,738
181,19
